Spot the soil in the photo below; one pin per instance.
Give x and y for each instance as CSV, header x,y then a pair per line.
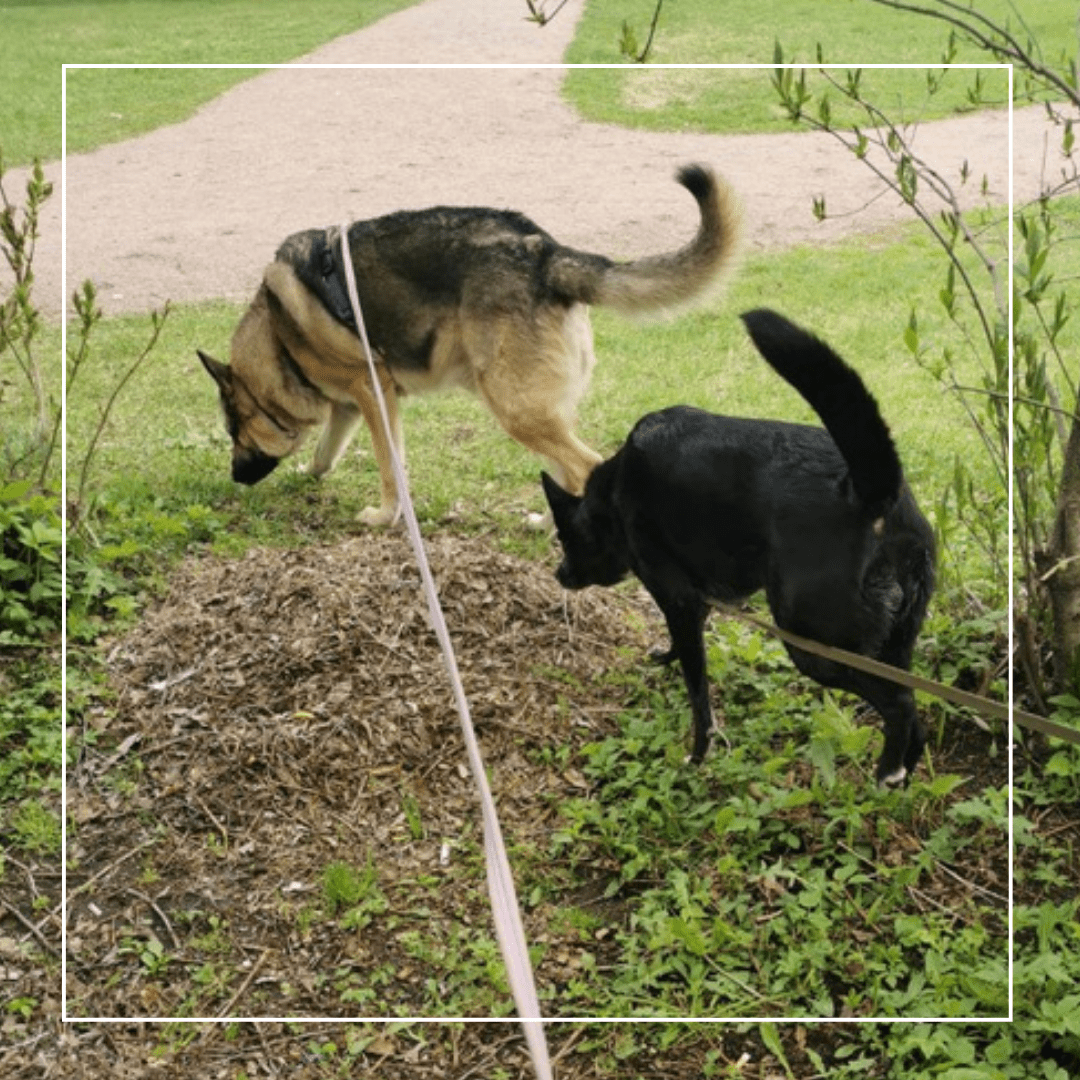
x,y
290,710
253,757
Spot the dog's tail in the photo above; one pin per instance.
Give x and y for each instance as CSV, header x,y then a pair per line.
x,y
837,394
661,282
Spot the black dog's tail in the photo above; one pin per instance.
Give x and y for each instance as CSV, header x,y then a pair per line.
x,y
838,396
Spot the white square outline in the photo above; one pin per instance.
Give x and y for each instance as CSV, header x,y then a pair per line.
x,y
513,1020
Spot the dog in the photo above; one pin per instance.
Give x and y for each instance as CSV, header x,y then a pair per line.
x,y
465,297
713,508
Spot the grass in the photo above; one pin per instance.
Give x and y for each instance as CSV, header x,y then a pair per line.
x,y
744,894
861,33
104,106
464,470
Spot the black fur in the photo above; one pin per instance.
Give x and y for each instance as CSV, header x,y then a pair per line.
x,y
703,507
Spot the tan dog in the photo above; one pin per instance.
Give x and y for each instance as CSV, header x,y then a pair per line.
x,y
451,297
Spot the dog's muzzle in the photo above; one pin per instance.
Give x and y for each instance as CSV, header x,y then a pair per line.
x,y
566,578
251,466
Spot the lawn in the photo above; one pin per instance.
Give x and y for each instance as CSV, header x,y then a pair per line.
x,y
460,460
105,107
748,32
112,106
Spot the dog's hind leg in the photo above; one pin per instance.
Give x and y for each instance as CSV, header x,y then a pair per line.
x,y
531,374
570,460
532,421
905,738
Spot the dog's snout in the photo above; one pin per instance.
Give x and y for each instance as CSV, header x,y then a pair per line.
x,y
251,466
566,577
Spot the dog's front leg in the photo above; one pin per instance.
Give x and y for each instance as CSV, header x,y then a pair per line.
x,y
344,416
686,623
387,510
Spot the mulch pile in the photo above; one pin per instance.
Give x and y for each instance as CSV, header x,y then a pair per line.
x,y
291,709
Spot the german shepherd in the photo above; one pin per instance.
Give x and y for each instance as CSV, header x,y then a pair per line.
x,y
703,507
451,297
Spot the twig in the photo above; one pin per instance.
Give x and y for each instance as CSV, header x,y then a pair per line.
x,y
267,1050
209,813
569,1045
484,1066
162,685
1008,48
157,323
538,15
108,869
42,941
971,884
121,751
228,1007
644,54
160,914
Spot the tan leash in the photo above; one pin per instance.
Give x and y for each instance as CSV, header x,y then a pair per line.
x,y
995,710
504,903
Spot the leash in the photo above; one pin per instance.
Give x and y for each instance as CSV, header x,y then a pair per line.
x,y
996,710
504,903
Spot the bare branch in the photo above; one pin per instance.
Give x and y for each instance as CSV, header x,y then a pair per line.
x,y
990,36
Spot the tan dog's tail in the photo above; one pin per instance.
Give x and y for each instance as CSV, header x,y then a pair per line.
x,y
667,282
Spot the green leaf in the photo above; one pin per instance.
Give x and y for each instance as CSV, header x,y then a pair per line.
x,y
771,1038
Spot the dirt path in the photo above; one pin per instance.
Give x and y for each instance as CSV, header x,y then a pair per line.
x,y
194,211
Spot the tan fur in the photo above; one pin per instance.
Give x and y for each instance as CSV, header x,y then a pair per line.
x,y
527,355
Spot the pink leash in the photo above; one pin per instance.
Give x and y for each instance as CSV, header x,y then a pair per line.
x,y
504,903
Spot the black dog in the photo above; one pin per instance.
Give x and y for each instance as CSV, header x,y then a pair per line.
x,y
704,507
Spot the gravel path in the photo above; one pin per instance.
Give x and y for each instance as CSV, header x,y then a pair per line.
x,y
194,211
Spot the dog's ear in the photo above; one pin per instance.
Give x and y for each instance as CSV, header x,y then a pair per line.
x,y
220,372
562,503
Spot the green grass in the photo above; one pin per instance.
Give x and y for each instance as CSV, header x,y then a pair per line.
x,y
686,852
742,889
103,106
855,32
735,892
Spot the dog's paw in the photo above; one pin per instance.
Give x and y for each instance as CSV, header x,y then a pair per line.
x,y
894,780
376,517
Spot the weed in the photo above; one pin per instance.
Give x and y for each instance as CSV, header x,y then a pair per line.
x,y
30,580
150,952
21,1006
35,828
410,806
29,729
356,892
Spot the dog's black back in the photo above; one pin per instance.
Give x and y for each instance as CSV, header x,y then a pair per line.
x,y
704,508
